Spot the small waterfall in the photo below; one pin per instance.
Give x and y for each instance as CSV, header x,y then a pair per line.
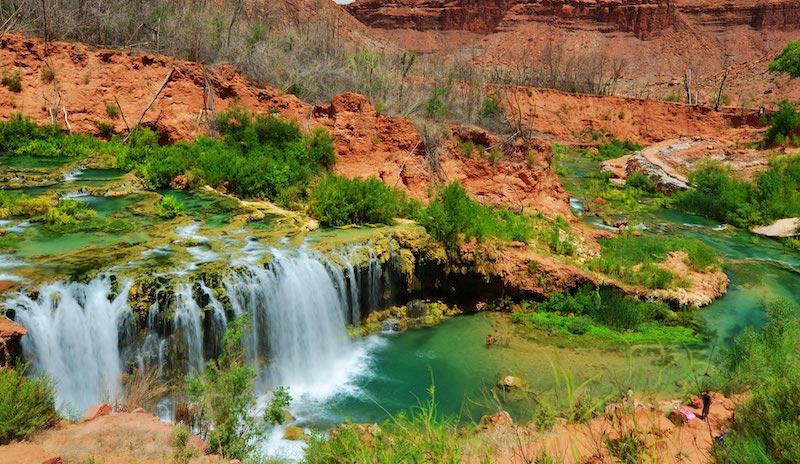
x,y
189,328
299,305
73,337
298,309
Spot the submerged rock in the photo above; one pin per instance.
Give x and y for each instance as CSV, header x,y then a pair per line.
x,y
510,382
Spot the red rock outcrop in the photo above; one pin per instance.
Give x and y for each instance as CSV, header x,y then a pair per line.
x,y
10,336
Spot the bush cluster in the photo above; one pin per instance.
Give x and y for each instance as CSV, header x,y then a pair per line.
x,y
765,364
615,148
27,404
20,135
338,201
717,194
261,156
783,124
452,217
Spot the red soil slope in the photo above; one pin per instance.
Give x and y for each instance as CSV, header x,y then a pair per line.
x,y
368,144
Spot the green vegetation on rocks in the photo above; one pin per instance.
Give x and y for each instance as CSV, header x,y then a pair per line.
x,y
635,259
607,314
452,217
788,60
22,136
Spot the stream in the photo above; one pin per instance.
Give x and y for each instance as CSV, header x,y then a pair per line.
x,y
206,269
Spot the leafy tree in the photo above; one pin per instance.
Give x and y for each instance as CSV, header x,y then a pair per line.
x,y
788,61
785,121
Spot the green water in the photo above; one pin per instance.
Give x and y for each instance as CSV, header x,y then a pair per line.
x,y
453,356
32,162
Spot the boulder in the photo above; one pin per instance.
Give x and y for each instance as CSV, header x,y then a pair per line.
x,y
510,382
98,410
10,336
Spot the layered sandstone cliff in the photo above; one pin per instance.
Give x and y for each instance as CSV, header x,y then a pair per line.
x,y
642,18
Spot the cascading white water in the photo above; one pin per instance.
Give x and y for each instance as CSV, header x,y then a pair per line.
x,y
189,327
297,307
73,338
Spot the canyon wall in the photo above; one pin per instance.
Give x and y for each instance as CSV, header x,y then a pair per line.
x,y
642,18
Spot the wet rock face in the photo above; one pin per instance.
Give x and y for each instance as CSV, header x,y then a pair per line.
x,y
10,341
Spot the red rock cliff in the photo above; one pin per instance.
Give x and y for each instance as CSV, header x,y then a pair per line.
x,y
642,18
10,336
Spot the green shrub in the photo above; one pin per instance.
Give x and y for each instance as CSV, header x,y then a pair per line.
x,y
224,395
182,451
627,449
788,60
765,364
261,156
782,124
774,194
112,111
105,129
169,207
12,80
616,148
436,107
452,217
48,75
27,404
490,106
639,180
276,409
339,201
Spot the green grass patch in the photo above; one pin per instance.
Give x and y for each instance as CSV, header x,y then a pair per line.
x,y
615,148
421,435
634,259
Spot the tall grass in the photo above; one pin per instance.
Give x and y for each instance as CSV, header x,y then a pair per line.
x,y
421,436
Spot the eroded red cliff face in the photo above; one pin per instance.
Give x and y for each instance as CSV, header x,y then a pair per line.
x,y
424,15
642,18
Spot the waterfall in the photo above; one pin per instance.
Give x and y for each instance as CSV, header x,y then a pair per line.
x,y
83,335
297,307
189,328
73,338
